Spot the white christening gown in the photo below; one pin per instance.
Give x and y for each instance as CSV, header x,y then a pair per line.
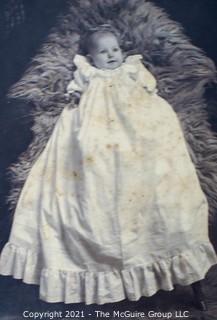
x,y
112,208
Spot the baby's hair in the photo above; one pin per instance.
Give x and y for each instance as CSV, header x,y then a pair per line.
x,y
87,40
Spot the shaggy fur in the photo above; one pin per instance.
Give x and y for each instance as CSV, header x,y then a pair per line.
x,y
181,69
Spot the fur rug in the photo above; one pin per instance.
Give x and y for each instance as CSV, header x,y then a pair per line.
x,y
182,70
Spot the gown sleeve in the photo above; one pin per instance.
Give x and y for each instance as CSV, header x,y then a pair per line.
x,y
77,84
82,75
142,75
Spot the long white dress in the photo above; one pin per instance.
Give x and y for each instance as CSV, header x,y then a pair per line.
x,y
112,208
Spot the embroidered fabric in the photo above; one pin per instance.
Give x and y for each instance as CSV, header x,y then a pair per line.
x,y
132,66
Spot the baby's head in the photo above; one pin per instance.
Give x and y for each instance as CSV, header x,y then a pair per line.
x,y
103,49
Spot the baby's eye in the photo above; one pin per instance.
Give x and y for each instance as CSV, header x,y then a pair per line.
x,y
115,49
102,51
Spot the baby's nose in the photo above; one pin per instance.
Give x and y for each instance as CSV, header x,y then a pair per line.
x,y
110,54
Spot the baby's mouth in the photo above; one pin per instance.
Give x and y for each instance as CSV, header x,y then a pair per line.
x,y
111,61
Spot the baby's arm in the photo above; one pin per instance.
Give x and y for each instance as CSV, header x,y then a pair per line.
x,y
141,75
76,86
146,79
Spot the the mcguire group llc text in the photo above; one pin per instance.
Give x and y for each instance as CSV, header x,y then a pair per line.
x,y
98,314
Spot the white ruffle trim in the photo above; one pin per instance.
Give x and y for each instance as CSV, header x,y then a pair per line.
x,y
110,286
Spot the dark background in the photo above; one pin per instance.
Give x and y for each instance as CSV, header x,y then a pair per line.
x,y
24,25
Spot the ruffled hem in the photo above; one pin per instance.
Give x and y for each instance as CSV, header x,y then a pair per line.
x,y
107,286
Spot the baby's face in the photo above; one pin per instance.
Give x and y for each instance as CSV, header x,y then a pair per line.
x,y
106,52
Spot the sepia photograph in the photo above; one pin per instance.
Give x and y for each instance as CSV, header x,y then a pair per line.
x,y
108,192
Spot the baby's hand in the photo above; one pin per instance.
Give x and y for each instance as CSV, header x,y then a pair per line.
x,y
77,94
151,91
70,95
